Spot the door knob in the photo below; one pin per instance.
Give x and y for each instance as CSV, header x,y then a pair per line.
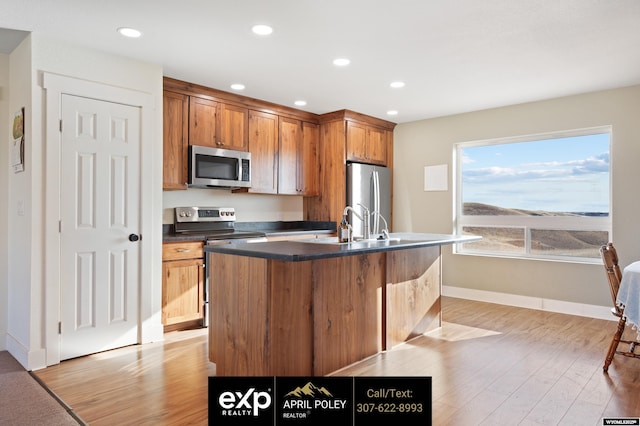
x,y
133,237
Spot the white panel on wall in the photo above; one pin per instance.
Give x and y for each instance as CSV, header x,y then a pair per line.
x,y
436,178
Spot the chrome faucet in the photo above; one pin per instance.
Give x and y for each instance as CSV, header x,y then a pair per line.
x,y
385,230
365,218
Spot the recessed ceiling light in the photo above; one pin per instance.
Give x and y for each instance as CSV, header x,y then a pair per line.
x,y
262,29
392,112
300,103
237,86
341,62
397,84
129,32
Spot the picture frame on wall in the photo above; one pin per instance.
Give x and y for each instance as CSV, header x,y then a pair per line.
x,y
17,143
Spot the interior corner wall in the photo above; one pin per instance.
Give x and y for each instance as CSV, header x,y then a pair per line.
x,y
19,215
431,142
6,134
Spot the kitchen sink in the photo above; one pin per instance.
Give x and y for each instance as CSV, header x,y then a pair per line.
x,y
373,242
395,238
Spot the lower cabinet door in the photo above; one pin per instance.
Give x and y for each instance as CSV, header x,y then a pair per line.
x,y
182,291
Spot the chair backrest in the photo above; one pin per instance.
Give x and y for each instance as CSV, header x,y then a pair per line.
x,y
614,275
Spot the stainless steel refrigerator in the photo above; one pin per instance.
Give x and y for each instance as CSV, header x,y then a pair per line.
x,y
370,186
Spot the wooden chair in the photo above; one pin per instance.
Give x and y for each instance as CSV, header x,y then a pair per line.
x,y
614,275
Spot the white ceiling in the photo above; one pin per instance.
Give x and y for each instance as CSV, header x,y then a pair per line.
x,y
454,55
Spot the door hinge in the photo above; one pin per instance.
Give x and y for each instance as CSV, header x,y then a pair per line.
x,y
60,227
59,327
60,125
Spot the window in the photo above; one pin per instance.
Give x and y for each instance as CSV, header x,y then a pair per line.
x,y
543,196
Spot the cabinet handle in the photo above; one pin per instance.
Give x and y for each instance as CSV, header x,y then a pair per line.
x,y
220,143
183,250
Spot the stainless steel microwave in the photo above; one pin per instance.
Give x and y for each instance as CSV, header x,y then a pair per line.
x,y
222,168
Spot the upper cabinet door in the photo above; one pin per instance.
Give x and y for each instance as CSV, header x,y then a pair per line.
x,y
366,143
356,141
263,146
298,157
377,145
233,124
175,140
202,122
290,141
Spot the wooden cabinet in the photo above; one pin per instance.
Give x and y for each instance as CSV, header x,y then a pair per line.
x,y
175,140
218,125
263,146
308,159
366,144
233,127
198,115
298,157
346,136
203,118
182,285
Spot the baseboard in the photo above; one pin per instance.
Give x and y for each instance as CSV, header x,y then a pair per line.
x,y
29,359
541,304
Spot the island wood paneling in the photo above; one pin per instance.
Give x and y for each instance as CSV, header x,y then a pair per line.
x,y
260,316
238,330
290,329
272,317
413,293
347,310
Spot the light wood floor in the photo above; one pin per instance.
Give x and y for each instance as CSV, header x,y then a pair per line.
x,y
490,365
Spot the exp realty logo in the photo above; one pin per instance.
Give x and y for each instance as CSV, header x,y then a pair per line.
x,y
314,400
241,400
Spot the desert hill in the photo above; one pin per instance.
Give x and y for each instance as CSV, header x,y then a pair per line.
x,y
543,241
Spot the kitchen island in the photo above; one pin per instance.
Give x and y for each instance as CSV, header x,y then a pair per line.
x,y
311,307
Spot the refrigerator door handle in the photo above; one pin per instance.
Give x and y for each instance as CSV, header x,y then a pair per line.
x,y
376,202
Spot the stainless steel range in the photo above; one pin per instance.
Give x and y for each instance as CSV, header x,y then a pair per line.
x,y
216,225
213,223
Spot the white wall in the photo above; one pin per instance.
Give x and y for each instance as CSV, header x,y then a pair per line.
x,y
36,55
19,232
430,142
5,135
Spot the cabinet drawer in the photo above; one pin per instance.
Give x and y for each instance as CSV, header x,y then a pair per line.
x,y
182,250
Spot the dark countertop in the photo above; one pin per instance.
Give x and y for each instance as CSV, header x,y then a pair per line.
x,y
323,248
276,228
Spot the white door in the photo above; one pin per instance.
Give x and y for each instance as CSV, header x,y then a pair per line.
x,y
99,203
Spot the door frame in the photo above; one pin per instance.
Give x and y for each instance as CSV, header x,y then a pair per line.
x,y
55,86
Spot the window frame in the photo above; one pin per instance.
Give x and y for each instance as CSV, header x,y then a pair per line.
x,y
527,223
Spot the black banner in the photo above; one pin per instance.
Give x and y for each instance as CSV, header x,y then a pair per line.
x,y
311,401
